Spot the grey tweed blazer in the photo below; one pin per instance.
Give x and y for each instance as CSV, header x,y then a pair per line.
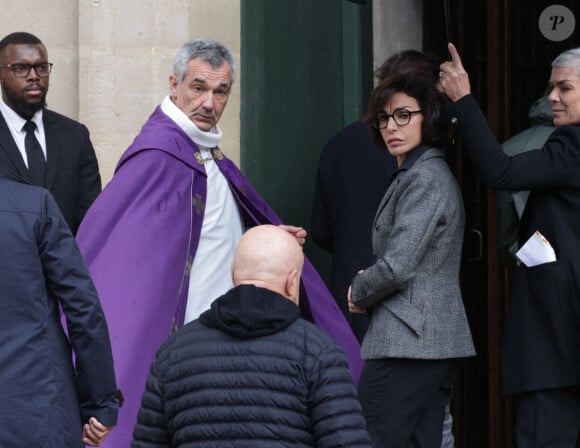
x,y
412,291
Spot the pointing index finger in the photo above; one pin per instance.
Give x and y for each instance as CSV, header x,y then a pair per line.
x,y
455,56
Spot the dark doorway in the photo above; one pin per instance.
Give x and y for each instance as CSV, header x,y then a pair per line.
x,y
508,60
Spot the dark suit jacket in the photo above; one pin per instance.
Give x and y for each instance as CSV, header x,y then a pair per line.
x,y
541,347
353,175
72,174
44,399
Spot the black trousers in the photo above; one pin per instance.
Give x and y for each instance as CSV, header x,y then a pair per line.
x,y
403,400
548,418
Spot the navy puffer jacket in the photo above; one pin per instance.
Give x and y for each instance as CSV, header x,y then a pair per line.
x,y
250,373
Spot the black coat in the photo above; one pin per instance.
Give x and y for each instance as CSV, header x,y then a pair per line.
x,y
541,347
250,372
43,398
353,175
72,171
510,204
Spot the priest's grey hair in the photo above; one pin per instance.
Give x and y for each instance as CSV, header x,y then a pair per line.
x,y
208,50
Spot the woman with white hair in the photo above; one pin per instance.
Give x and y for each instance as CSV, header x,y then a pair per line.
x,y
541,346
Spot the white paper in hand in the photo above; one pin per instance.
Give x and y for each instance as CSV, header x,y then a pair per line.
x,y
537,250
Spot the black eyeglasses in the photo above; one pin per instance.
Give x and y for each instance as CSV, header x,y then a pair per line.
x,y
401,117
22,70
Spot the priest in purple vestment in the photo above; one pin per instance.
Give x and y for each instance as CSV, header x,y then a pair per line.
x,y
159,240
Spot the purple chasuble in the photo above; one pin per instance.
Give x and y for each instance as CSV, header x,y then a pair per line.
x,y
139,239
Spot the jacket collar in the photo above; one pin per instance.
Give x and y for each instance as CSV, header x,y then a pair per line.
x,y
248,311
412,157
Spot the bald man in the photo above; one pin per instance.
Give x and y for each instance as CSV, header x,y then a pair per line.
x,y
250,372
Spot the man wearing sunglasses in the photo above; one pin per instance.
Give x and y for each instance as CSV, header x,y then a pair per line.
x,y
38,145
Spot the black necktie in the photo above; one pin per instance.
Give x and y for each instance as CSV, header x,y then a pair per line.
x,y
36,160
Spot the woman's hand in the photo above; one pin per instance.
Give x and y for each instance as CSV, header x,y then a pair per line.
x,y
351,306
453,79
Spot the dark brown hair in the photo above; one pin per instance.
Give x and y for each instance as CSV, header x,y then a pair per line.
x,y
436,125
409,62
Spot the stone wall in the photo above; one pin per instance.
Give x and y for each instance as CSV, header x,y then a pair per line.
x,y
397,26
112,60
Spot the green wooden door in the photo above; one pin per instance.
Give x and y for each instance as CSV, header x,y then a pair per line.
x,y
306,72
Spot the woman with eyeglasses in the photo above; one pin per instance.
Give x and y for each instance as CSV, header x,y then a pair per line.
x,y
419,331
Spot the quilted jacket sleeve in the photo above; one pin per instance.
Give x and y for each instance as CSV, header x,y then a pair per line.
x,y
335,410
151,428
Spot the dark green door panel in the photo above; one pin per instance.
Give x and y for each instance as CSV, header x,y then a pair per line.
x,y
306,72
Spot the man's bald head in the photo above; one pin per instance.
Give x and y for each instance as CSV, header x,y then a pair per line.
x,y
271,258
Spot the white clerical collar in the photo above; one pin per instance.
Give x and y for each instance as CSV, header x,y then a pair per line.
x,y
209,139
